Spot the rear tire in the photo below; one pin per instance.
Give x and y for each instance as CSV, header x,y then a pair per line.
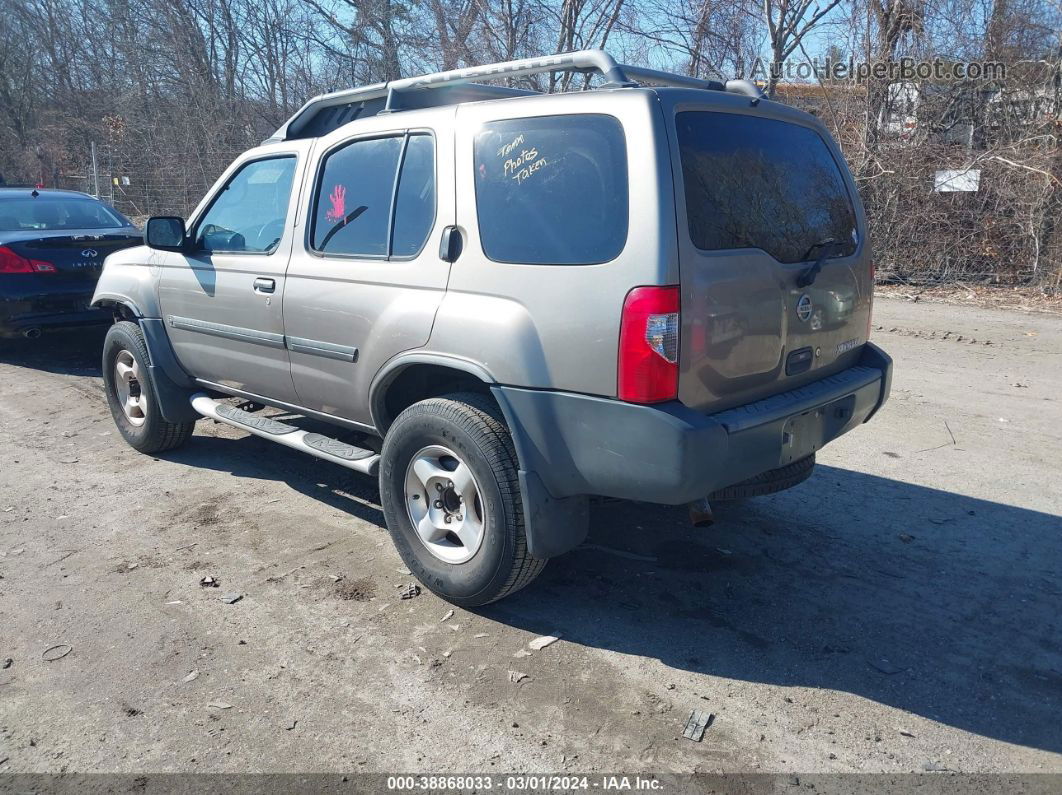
x,y
768,482
452,459
131,396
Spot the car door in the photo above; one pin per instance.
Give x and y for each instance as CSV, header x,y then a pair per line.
x,y
365,279
222,302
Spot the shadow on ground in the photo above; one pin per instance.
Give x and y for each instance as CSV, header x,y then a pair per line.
x,y
941,605
938,604
69,352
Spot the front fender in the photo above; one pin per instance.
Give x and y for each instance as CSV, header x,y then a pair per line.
x,y
129,279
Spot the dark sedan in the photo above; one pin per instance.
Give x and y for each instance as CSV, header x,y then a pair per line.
x,y
52,246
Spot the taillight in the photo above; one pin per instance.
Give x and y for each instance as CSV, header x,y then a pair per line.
x,y
12,262
648,345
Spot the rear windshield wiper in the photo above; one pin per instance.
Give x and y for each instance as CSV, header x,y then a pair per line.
x,y
807,277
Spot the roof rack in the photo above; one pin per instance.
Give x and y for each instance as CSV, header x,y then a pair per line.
x,y
329,111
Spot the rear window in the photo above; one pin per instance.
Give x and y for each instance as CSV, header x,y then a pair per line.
x,y
57,212
552,190
752,182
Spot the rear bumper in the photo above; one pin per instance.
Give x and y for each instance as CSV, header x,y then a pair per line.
x,y
666,453
61,306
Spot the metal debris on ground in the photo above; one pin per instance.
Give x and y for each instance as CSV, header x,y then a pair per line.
x,y
231,598
210,582
885,666
516,677
480,635
58,652
291,725
448,616
219,705
411,590
191,676
696,723
542,642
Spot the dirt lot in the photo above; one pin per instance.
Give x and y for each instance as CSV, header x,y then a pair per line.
x,y
897,612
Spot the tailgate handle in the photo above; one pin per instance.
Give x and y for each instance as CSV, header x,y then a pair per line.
x,y
264,285
799,361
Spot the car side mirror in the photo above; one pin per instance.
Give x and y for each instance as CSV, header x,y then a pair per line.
x,y
166,232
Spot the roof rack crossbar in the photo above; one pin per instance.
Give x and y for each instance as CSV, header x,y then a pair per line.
x,y
582,61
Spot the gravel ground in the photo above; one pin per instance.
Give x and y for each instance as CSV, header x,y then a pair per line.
x,y
897,612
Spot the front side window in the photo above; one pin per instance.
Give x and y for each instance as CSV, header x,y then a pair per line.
x,y
752,182
248,214
552,190
362,210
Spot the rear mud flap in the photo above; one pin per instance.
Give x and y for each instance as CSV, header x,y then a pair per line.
x,y
553,526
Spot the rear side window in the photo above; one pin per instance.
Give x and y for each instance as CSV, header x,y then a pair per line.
x,y
752,182
552,190
364,208
415,201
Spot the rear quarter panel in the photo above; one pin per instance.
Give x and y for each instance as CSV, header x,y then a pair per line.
x,y
557,326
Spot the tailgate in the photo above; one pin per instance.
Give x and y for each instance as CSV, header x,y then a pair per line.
x,y
763,199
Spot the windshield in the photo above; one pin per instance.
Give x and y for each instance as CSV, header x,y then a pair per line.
x,y
47,213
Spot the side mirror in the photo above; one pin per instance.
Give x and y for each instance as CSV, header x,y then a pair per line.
x,y
166,232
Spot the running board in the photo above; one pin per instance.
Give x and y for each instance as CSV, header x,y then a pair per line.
x,y
317,445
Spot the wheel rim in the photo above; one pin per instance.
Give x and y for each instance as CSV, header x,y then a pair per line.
x,y
444,504
127,386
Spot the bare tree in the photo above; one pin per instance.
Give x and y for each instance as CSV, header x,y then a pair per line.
x,y
788,24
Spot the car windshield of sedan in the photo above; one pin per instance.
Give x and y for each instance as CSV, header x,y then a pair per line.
x,y
56,212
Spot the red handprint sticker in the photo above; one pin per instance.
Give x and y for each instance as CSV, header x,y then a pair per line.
x,y
338,198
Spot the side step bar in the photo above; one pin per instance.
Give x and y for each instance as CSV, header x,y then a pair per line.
x,y
324,447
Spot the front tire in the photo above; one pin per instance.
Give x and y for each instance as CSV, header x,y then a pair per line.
x,y
131,396
451,497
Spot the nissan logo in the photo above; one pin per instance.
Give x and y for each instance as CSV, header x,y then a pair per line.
x,y
90,252
803,307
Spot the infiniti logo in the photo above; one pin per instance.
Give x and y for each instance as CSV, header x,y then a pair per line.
x,y
803,307
90,252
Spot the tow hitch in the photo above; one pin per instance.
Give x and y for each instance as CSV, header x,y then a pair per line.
x,y
701,513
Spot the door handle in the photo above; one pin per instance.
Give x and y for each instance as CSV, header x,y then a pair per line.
x,y
450,244
263,285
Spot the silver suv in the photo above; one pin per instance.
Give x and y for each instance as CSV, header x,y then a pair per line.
x,y
503,302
